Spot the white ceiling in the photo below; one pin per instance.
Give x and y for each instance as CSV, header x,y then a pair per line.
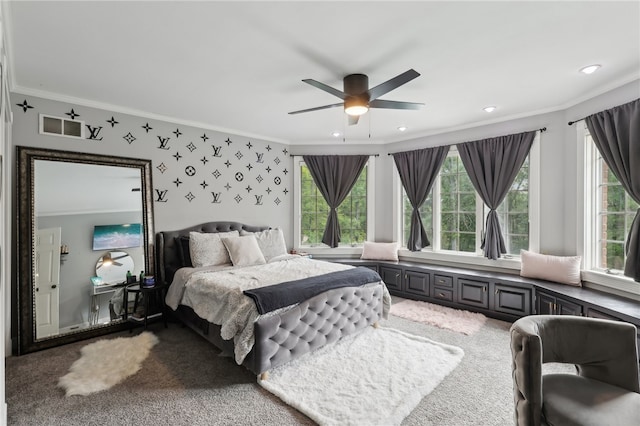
x,y
238,66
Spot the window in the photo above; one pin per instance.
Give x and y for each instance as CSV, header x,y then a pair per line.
x,y
513,213
355,219
612,212
454,215
457,207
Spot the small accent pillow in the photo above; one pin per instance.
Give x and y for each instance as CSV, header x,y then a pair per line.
x,y
561,269
206,249
379,251
244,251
270,241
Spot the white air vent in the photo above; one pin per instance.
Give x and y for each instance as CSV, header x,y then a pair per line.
x,y
59,126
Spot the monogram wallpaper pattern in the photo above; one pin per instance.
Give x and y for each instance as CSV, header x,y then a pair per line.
x,y
192,167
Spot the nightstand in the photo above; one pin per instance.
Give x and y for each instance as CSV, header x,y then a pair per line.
x,y
154,294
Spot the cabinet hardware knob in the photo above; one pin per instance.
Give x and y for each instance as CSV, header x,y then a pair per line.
x,y
484,289
441,294
37,289
54,286
497,291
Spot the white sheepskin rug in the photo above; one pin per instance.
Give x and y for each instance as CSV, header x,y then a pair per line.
x,y
106,363
375,377
458,320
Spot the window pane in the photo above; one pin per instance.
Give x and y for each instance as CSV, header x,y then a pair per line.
x,y
352,213
513,213
614,213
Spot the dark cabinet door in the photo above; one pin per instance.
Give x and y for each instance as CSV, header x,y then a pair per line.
x,y
392,277
547,304
473,293
512,300
564,307
417,283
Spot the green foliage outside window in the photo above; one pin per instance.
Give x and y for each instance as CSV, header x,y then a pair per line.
x,y
352,213
457,207
513,213
458,210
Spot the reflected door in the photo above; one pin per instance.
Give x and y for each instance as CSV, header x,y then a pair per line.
x,y
47,282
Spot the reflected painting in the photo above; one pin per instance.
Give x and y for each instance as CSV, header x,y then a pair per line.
x,y
106,237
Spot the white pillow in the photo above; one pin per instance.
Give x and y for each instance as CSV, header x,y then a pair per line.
x,y
244,251
561,269
379,251
270,241
206,249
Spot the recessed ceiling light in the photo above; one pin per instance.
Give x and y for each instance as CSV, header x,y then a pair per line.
x,y
335,134
590,69
402,128
489,108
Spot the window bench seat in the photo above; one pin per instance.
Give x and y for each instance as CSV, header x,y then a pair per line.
x,y
497,295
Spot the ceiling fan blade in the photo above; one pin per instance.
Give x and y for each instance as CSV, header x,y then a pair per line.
x,y
394,83
353,119
380,103
117,264
328,89
318,108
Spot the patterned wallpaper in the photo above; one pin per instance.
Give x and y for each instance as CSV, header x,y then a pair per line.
x,y
192,167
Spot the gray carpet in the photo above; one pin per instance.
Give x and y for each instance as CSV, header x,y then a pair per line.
x,y
185,382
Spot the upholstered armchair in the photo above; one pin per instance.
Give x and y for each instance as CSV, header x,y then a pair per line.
x,y
605,390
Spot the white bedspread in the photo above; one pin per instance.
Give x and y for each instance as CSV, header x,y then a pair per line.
x,y
215,293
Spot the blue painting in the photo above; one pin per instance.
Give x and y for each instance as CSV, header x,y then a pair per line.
x,y
107,237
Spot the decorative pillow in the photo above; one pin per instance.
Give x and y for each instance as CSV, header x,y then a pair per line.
x,y
561,269
379,251
207,249
182,244
244,251
270,241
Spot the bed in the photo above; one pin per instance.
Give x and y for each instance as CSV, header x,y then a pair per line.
x,y
264,340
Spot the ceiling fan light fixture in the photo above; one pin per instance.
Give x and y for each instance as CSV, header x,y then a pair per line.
x,y
355,106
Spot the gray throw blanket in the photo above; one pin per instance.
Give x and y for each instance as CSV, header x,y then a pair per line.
x,y
288,293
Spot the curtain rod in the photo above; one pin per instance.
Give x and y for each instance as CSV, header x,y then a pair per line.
x,y
543,129
300,155
575,121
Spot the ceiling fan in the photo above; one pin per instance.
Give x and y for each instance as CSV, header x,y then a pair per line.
x,y
358,98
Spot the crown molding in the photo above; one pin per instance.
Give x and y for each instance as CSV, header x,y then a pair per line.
x,y
136,112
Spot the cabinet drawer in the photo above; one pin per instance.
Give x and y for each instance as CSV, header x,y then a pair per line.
x,y
442,281
473,293
443,294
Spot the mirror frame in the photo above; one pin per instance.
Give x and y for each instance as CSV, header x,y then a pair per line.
x,y
24,334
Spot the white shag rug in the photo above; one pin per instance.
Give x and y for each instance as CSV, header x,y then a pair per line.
x,y
106,363
464,322
375,377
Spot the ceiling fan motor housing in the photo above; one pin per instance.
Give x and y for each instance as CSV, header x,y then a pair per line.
x,y
356,84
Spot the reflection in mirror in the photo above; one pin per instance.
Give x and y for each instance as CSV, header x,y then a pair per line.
x,y
84,206
112,268
74,209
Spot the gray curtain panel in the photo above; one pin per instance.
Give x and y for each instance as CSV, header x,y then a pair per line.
x,y
334,176
418,170
616,133
493,164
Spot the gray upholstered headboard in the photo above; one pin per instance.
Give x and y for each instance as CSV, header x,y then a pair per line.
x,y
168,259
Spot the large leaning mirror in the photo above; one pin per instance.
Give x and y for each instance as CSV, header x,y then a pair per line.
x,y
85,225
